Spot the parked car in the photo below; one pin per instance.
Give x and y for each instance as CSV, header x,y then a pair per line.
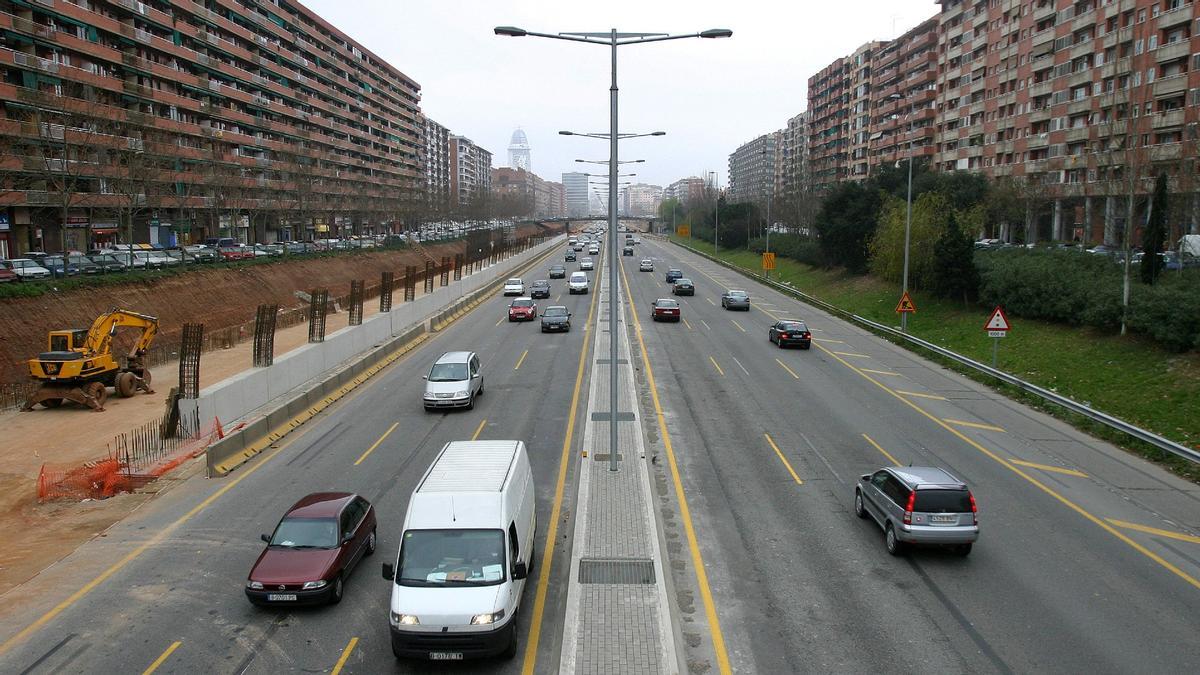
x,y
200,254
790,332
646,265
220,242
673,274
7,275
918,505
514,286
314,548
558,272
84,264
522,309
108,262
27,269
454,381
732,299
556,318
683,287
236,252
539,289
60,266
665,309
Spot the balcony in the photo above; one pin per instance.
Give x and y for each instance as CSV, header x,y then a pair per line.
x,y
1076,134
1175,17
1171,118
1038,141
1118,36
1080,105
1175,84
1162,153
1041,88
1170,52
1044,12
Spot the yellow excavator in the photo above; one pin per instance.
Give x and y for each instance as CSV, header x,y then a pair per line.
x,y
80,367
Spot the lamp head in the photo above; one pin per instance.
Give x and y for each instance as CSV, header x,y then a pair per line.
x,y
510,31
658,133
716,33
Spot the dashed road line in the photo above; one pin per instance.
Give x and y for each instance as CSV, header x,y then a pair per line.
x,y
1155,531
376,444
783,459
1047,467
163,657
973,425
918,394
717,366
860,356
877,372
341,662
880,449
790,371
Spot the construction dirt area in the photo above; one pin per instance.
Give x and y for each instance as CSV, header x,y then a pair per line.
x,y
37,535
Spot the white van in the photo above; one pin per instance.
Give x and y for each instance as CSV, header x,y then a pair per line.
x,y
577,283
465,552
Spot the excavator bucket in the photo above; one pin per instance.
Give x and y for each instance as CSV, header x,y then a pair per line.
x,y
50,395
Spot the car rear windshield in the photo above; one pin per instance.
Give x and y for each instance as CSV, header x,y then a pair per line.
x,y
668,304
737,294
683,282
793,325
942,501
306,533
513,282
451,558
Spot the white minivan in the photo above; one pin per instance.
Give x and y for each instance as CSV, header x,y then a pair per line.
x,y
466,549
577,283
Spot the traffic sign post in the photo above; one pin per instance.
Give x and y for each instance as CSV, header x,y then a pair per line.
x,y
905,306
997,326
768,263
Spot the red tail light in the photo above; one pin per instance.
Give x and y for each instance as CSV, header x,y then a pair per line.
x,y
808,336
908,508
974,508
783,336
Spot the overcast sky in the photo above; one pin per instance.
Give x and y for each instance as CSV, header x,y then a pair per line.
x,y
710,96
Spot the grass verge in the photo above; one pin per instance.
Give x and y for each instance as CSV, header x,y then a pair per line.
x,y
1128,377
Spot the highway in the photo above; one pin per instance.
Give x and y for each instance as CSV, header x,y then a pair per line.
x,y
1088,558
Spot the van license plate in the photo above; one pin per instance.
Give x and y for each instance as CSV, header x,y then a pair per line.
x,y
280,597
944,520
445,656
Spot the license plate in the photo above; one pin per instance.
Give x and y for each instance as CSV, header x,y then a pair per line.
x,y
944,520
445,656
281,597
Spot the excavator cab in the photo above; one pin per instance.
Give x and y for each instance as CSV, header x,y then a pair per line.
x,y
61,341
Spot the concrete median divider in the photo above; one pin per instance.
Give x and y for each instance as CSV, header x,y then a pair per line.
x,y
303,382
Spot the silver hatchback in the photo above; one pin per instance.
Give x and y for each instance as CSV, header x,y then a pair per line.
x,y
918,505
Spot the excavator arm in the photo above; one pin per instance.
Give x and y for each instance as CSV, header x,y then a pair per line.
x,y
100,335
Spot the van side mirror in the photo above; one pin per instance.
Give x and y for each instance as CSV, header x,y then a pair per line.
x,y
389,572
265,537
520,571
866,476
424,377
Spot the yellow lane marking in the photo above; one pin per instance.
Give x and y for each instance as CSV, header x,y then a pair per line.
x,y
685,513
521,360
711,302
478,430
973,425
920,395
341,662
1030,479
500,321
714,362
880,448
1154,530
739,326
840,342
878,372
162,657
376,443
861,356
784,365
784,460
705,324
1047,467
685,322
539,601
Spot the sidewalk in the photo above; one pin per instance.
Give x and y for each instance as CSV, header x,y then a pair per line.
x,y
618,617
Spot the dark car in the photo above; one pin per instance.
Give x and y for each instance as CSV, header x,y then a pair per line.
x,y
571,256
558,272
107,262
790,332
665,309
314,548
673,274
683,287
628,250
60,266
556,318
539,289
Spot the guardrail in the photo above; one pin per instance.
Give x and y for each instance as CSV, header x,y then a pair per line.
x,y
1058,399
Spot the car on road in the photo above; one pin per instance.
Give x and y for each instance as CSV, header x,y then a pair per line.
x,y
27,269
918,505
637,240
522,309
312,551
683,286
558,272
790,332
647,265
594,249
571,257
732,299
587,264
514,286
578,283
454,381
628,250
665,309
539,289
673,274
578,247
556,318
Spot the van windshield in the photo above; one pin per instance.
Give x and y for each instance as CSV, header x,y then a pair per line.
x,y
452,558
448,372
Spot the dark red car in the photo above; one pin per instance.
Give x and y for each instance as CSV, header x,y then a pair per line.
x,y
522,309
665,309
235,253
313,549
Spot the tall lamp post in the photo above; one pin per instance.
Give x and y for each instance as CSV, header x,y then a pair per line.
x,y
716,214
907,223
612,39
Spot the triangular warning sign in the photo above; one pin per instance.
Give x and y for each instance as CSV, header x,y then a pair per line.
x,y
906,304
997,321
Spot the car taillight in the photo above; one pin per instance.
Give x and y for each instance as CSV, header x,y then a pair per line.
x,y
807,336
974,508
783,336
908,508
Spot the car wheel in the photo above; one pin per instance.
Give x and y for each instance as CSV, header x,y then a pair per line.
x,y
471,403
860,509
780,343
371,542
894,545
511,650
963,550
336,595
480,392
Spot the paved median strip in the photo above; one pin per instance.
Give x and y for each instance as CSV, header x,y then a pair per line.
x,y
783,459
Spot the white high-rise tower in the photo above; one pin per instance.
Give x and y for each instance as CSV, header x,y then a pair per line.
x,y
518,151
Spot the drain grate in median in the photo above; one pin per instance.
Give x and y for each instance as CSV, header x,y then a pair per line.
x,y
605,416
624,571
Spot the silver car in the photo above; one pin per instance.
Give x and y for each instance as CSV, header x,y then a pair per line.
x,y
736,300
646,265
918,505
454,381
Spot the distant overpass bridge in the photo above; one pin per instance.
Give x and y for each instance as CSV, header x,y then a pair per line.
x,y
639,224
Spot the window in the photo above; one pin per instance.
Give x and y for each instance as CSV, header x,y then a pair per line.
x,y
515,552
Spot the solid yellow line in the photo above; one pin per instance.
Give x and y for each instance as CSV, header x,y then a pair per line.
x,y
973,425
685,322
685,513
714,362
337,668
521,360
1154,530
539,601
162,657
1047,467
880,448
739,326
784,460
879,372
1032,481
861,356
781,363
920,395
376,443
478,430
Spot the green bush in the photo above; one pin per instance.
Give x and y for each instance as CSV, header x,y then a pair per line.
x,y
1168,311
793,246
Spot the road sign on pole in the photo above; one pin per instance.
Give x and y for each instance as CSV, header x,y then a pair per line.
x,y
906,306
997,326
768,261
683,230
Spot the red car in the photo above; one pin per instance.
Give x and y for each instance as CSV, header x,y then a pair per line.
x,y
665,309
313,549
236,253
522,309
6,273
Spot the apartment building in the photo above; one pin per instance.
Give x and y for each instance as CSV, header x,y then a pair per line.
x,y
166,121
527,193
470,173
791,167
828,128
685,190
641,199
752,169
904,100
436,165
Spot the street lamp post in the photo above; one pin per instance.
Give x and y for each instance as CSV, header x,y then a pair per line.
x,y
907,224
613,39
